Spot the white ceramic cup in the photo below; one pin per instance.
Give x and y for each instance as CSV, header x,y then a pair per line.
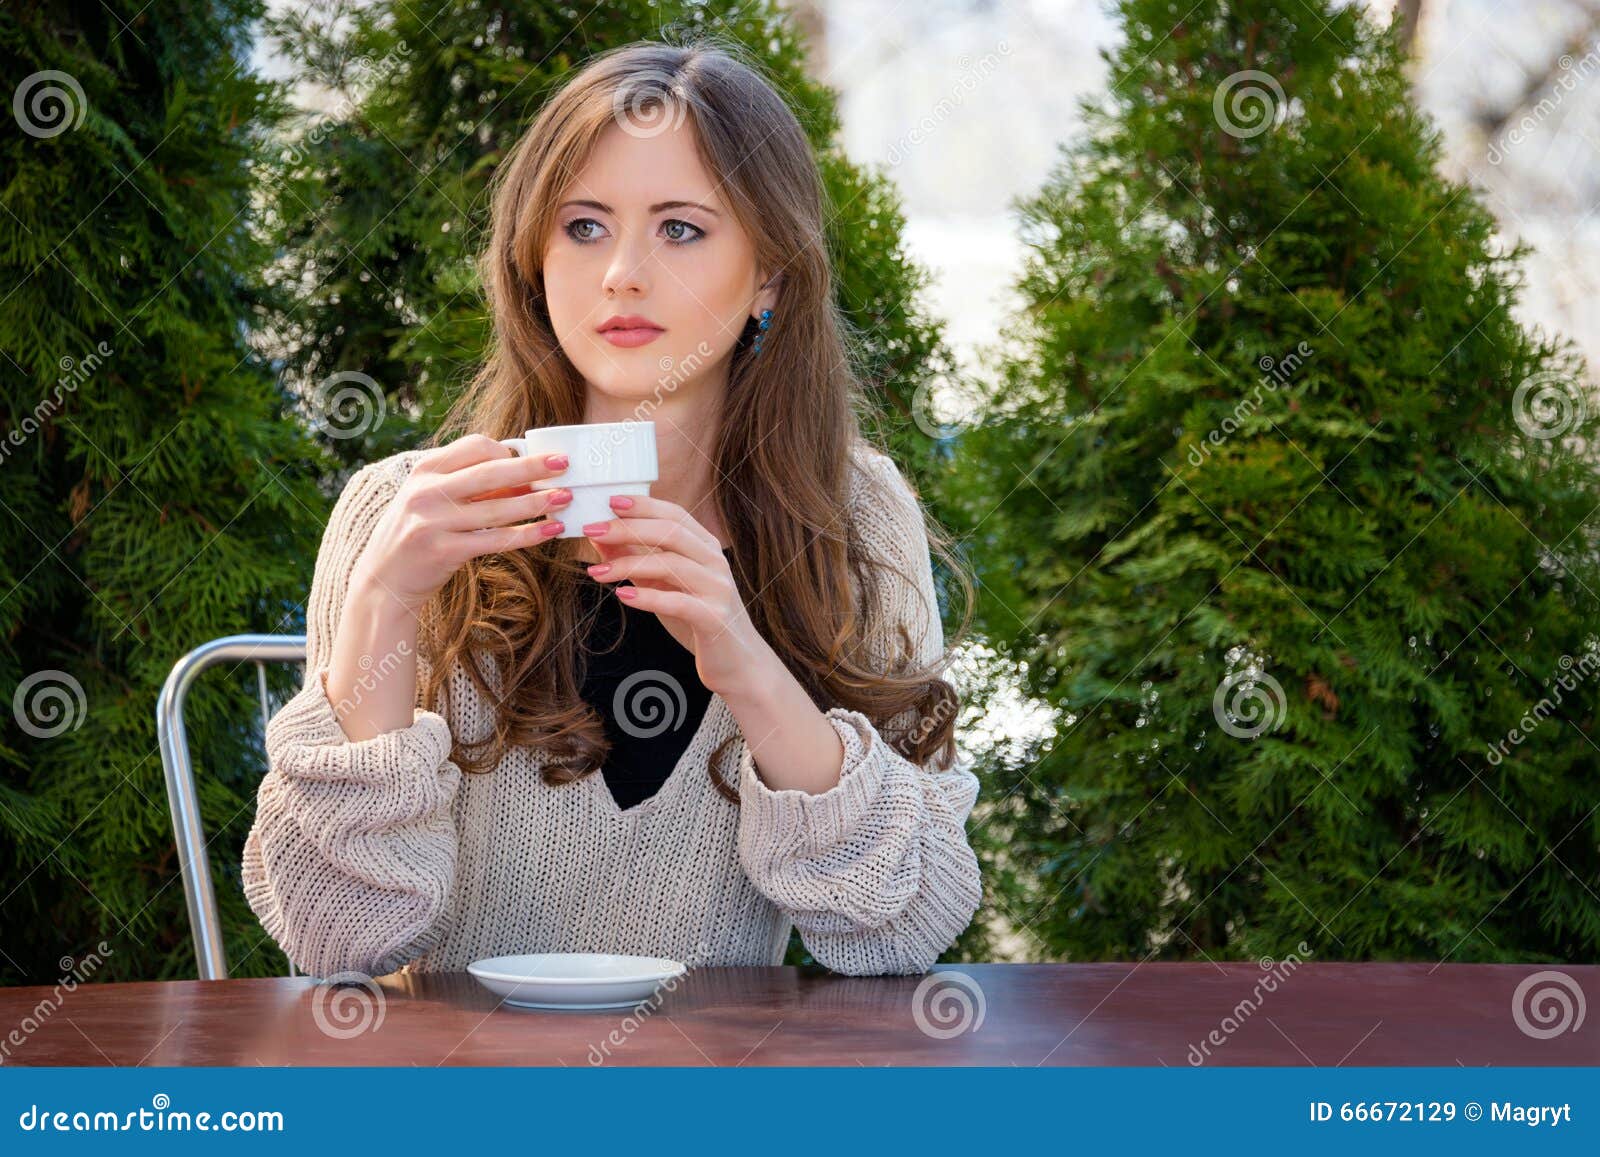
x,y
603,458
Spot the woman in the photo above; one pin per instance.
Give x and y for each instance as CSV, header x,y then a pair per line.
x,y
464,774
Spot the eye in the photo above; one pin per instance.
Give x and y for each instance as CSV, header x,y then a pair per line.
x,y
575,224
699,232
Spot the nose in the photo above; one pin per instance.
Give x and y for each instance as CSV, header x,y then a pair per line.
x,y
627,270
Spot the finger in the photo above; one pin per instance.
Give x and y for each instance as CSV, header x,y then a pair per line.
x,y
661,567
648,506
502,539
659,533
464,451
674,604
515,474
493,512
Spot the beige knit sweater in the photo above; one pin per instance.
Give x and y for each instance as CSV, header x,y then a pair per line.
x,y
375,855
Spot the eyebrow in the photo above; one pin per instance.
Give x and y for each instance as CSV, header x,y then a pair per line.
x,y
656,208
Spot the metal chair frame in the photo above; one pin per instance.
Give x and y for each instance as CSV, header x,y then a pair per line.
x,y
187,828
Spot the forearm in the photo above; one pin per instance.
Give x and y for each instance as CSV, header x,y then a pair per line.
x,y
372,673
792,743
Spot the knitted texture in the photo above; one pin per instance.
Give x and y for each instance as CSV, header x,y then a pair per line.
x,y
380,855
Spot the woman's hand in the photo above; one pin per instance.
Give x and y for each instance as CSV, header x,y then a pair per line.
x,y
471,497
680,574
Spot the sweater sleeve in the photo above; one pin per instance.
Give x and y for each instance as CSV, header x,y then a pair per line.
x,y
876,872
351,858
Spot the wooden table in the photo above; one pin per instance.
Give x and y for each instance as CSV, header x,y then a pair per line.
x,y
1323,1014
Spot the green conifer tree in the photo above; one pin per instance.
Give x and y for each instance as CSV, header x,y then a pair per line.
x,y
1292,521
154,490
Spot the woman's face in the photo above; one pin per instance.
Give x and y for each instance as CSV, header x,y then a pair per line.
x,y
641,232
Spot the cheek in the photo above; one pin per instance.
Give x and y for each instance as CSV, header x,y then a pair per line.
x,y
716,292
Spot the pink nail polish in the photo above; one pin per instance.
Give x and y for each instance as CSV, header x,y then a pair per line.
x,y
551,529
556,461
595,529
599,568
621,502
625,592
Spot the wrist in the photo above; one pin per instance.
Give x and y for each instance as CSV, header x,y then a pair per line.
x,y
373,598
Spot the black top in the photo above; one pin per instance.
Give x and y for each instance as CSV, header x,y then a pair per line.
x,y
644,684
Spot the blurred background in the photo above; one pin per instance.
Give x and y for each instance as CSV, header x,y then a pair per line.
x,y
1241,346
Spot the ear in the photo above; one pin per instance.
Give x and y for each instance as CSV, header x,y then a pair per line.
x,y
767,297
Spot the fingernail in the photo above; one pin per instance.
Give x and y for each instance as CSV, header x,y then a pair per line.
x,y
625,592
560,497
551,529
599,568
621,501
595,528
556,461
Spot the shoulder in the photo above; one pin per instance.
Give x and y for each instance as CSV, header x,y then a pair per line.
x,y
883,503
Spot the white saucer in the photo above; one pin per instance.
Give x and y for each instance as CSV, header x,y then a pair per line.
x,y
574,979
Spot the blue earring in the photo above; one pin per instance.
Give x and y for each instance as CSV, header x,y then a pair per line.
x,y
761,332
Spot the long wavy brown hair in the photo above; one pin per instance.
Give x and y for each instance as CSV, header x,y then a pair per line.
x,y
514,621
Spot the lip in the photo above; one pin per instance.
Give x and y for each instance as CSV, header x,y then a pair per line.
x,y
629,330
